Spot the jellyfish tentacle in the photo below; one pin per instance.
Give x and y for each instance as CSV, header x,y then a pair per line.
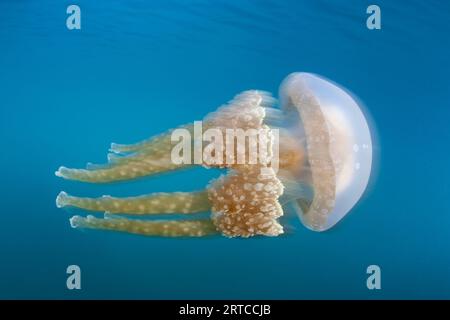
x,y
126,169
179,228
153,143
153,156
248,103
156,203
245,110
130,162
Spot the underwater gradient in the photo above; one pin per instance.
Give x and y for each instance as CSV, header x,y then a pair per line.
x,y
137,68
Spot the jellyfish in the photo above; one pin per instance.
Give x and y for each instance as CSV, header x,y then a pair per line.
x,y
317,160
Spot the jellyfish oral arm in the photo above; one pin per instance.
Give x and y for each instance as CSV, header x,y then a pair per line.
x,y
157,203
189,228
128,162
245,112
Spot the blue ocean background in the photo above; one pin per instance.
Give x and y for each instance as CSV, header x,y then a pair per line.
x,y
137,68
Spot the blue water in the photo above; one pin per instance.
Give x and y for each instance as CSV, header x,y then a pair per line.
x,y
137,68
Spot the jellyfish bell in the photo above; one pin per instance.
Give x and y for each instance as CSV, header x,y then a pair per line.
x,y
337,142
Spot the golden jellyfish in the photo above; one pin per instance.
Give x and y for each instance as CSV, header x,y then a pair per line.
x,y
313,152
